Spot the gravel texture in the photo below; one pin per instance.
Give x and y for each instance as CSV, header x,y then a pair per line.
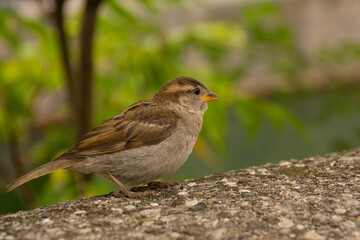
x,y
312,199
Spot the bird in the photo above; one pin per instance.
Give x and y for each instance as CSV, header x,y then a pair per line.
x,y
148,140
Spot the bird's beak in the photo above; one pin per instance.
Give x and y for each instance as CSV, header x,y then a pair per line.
x,y
210,96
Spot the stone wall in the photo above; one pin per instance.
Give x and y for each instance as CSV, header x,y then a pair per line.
x,y
314,198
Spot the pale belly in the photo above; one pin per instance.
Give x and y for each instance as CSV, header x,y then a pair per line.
x,y
145,164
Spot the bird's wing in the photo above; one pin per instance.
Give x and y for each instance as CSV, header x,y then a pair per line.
x,y
143,123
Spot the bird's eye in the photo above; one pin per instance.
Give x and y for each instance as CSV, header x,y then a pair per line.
x,y
196,91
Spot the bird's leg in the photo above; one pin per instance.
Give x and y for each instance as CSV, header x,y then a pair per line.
x,y
127,192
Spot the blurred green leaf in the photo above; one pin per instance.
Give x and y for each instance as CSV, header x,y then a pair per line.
x,y
122,12
345,52
248,114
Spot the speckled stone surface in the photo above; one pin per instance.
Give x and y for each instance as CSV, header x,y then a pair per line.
x,y
310,199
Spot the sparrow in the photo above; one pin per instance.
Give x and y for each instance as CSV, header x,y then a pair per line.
x,y
148,140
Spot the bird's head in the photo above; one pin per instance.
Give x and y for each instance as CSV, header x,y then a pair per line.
x,y
186,91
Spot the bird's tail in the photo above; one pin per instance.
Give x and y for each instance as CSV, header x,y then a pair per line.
x,y
40,171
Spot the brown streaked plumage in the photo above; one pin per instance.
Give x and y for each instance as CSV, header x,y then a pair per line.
x,y
143,123
147,140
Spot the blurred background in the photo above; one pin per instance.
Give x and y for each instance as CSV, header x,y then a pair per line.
x,y
287,72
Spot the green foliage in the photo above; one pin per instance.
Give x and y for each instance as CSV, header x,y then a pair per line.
x,y
343,53
251,112
270,39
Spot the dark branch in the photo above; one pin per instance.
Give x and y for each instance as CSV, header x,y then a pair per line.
x,y
64,48
85,71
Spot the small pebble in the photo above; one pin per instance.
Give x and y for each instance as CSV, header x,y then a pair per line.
x,y
285,223
151,213
182,193
312,235
191,203
198,207
175,235
224,180
47,221
79,212
219,234
231,184
336,218
244,204
169,218
349,224
284,163
285,193
129,207
147,223
300,227
340,210
117,210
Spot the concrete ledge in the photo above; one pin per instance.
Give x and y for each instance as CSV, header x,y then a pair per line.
x,y
314,198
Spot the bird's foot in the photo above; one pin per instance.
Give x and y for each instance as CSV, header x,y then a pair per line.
x,y
154,185
131,194
162,184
